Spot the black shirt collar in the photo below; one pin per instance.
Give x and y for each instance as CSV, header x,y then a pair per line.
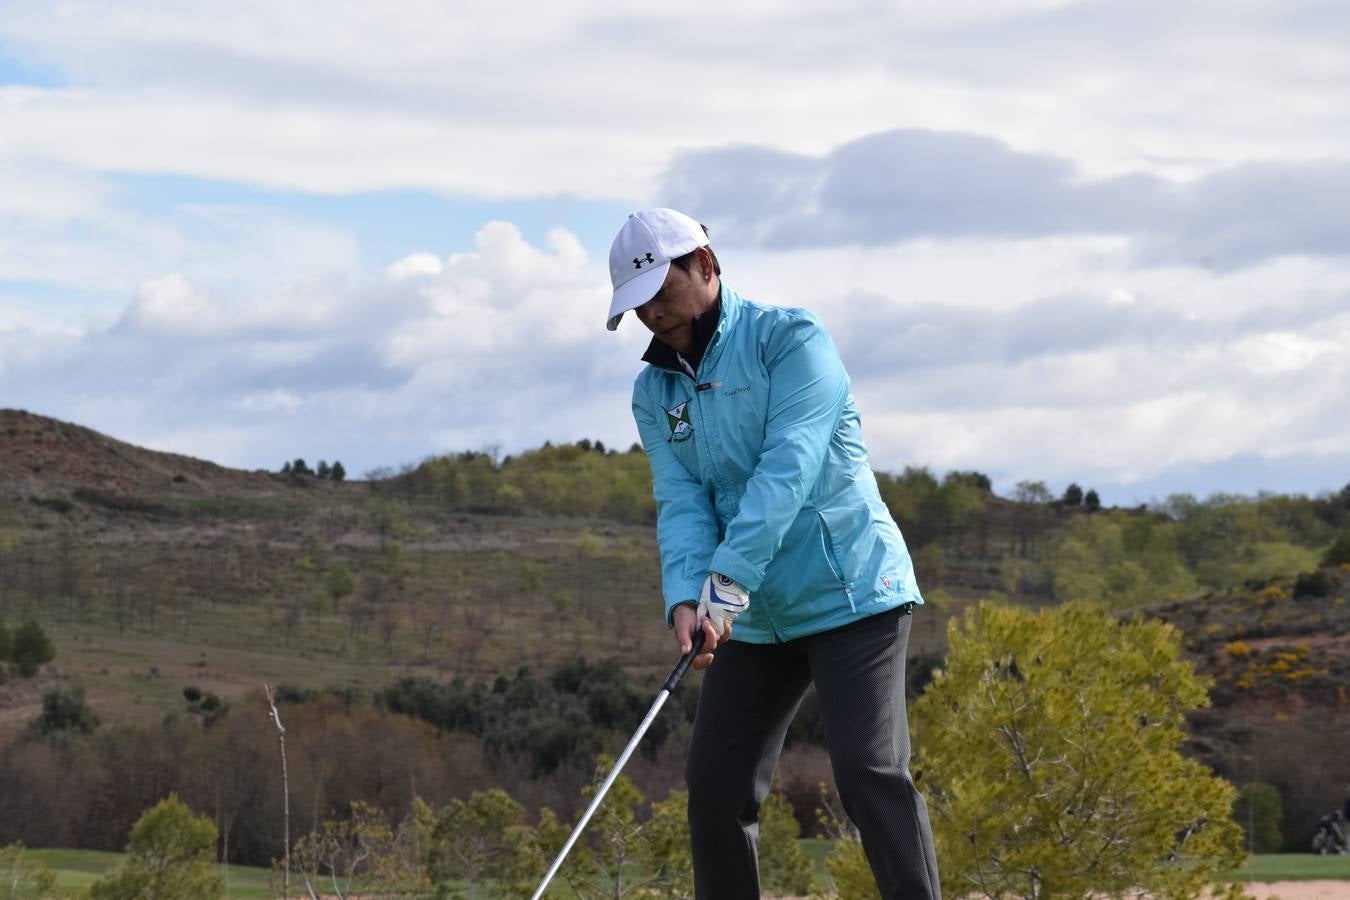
x,y
661,354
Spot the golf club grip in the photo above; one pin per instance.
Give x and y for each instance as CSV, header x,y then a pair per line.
x,y
683,665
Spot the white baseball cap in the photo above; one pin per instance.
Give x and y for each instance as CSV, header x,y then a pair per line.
x,y
641,255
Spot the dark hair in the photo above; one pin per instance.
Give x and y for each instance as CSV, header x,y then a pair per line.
x,y
687,261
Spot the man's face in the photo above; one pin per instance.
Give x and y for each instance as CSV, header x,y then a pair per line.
x,y
684,296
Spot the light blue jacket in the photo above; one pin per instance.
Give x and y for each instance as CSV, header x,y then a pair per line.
x,y
760,473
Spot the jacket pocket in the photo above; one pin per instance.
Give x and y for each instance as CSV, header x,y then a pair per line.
x,y
838,531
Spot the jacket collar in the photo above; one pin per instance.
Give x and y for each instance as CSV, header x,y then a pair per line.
x,y
707,331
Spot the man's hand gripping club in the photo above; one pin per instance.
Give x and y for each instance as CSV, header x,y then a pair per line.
x,y
721,602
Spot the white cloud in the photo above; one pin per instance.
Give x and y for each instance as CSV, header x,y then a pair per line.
x,y
1063,322
472,101
277,401
503,300
171,305
413,266
502,344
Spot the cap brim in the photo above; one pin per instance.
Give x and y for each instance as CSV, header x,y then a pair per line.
x,y
634,292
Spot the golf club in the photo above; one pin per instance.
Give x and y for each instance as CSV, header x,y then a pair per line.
x,y
671,681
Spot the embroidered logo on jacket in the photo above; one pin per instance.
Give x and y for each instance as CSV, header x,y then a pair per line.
x,y
681,429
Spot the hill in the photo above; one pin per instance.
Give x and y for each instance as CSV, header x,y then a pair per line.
x,y
156,572
1279,655
40,454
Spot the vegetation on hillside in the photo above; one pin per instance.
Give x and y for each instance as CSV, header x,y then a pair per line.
x,y
450,585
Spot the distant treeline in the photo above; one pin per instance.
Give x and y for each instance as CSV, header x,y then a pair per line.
x,y
586,480
70,783
583,480
1064,547
1185,546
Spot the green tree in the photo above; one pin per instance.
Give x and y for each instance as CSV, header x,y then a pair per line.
x,y
358,849
1258,810
339,583
784,868
1338,554
850,875
916,502
849,870
338,473
621,852
21,876
617,842
671,857
964,506
1119,559
1092,501
169,857
1049,748
481,841
64,713
31,648
1073,495
1031,498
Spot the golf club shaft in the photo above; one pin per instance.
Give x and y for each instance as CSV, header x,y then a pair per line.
x,y
671,681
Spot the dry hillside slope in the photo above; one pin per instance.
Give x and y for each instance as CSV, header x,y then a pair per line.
x,y
38,453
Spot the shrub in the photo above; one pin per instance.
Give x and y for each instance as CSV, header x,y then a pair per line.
x,y
784,866
169,857
1338,554
1258,810
58,504
1050,758
116,502
1314,584
25,877
31,648
63,712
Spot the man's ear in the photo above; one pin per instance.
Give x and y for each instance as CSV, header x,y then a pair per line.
x,y
705,264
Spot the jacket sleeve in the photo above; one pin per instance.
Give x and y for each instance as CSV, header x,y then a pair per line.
x,y
686,527
808,391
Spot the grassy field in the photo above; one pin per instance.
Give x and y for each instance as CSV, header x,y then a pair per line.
x,y
77,869
1292,867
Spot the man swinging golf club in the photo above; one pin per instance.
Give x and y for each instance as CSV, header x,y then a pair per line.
x,y
768,514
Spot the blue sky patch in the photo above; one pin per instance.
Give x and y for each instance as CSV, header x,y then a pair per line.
x,y
14,70
387,225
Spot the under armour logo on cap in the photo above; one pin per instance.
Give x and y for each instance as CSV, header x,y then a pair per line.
x,y
637,263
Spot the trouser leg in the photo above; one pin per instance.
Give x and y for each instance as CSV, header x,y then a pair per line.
x,y
859,673
748,699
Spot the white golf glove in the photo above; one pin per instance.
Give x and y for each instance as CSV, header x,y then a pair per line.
x,y
722,601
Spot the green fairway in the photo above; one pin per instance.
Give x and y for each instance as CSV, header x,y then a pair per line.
x,y
77,869
1291,867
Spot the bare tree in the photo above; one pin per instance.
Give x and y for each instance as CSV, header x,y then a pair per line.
x,y
285,793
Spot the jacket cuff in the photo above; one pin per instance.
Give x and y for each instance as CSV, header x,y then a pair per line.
x,y
728,562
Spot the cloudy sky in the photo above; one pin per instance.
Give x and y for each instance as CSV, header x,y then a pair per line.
x,y
1104,242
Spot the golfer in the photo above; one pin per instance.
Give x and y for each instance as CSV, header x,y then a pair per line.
x,y
768,514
